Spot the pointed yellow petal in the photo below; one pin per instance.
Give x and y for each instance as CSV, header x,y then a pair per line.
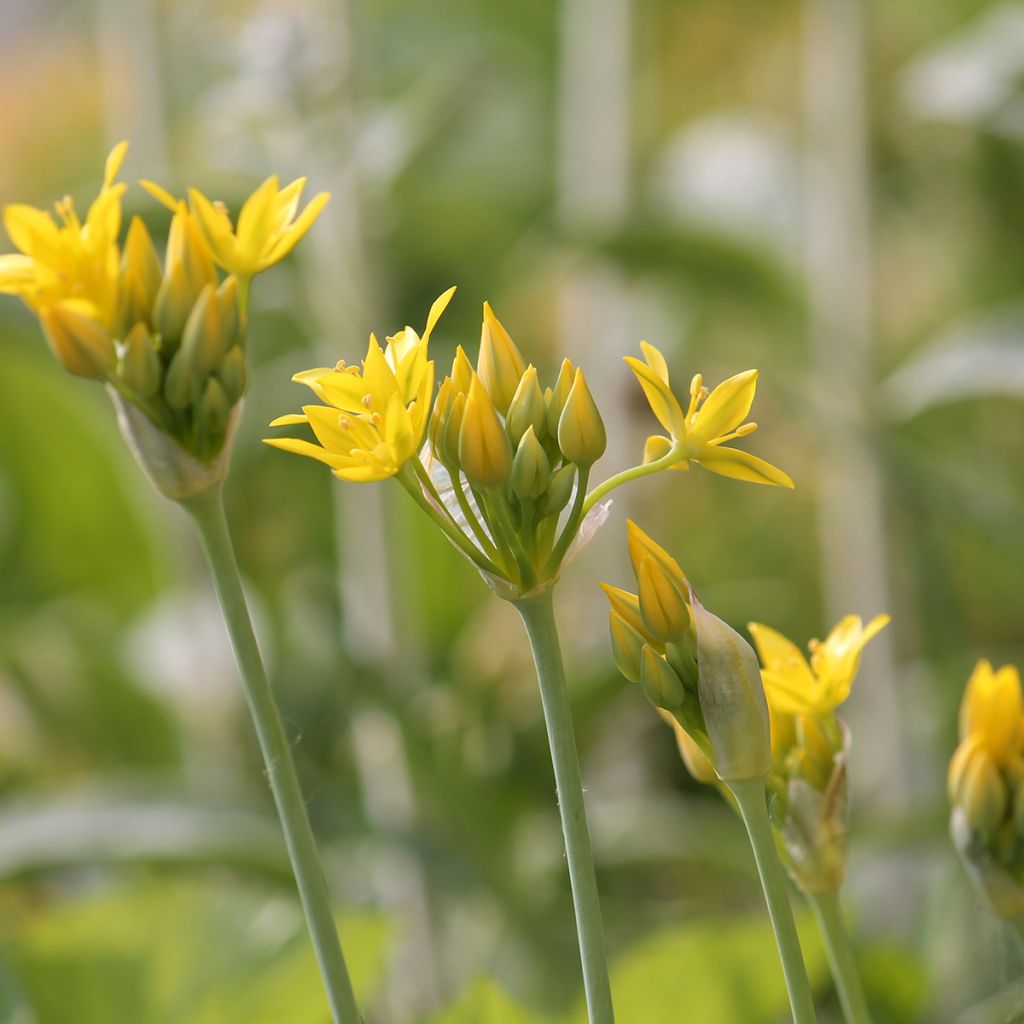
x,y
16,273
663,403
113,165
33,231
725,408
256,217
786,663
439,305
655,360
160,194
291,237
288,420
741,465
216,227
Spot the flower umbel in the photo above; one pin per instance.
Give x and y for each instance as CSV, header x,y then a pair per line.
x,y
711,419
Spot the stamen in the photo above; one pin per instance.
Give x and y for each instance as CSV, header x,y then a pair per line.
x,y
367,401
344,422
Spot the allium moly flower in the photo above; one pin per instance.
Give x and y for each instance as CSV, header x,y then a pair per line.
x,y
795,687
68,259
269,225
375,415
711,419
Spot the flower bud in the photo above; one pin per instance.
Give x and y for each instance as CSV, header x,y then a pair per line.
x,y
627,646
462,371
642,545
982,794
233,374
212,413
139,368
171,307
187,248
452,429
696,761
556,399
660,683
79,341
485,453
178,382
500,364
626,605
205,341
140,277
558,493
581,433
665,609
527,408
531,470
438,420
732,699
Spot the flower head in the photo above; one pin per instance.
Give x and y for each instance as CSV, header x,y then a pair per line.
x,y
376,414
711,419
68,259
269,225
795,687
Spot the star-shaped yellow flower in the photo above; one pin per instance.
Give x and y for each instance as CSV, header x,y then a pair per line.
x,y
267,230
793,686
71,260
376,415
712,418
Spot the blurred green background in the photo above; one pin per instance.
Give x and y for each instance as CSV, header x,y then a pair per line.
x,y
745,183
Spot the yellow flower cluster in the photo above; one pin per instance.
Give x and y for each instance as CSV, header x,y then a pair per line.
x,y
167,338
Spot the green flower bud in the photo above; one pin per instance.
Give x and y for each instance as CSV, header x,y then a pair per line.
x,y
450,443
233,375
227,307
500,364
171,308
527,408
178,382
213,412
731,699
627,646
140,368
662,686
558,493
205,341
983,794
531,470
141,277
556,399
581,433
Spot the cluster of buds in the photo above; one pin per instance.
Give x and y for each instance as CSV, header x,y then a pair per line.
x,y
986,786
693,667
167,339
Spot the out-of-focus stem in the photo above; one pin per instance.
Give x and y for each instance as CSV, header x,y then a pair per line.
x,y
840,956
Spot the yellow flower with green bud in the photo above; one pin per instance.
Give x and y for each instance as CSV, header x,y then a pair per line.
x,y
167,339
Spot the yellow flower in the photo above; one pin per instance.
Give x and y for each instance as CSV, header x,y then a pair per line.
x,y
72,260
712,418
267,230
992,712
795,687
376,415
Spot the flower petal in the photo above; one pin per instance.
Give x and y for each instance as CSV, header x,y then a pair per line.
x,y
725,408
663,403
741,465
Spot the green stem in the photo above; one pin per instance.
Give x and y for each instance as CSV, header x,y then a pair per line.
x,y
750,795
670,458
840,956
207,512
538,616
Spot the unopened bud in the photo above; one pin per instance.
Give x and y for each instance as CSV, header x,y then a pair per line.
x,y
500,364
485,454
79,341
581,433
462,371
140,277
558,493
627,646
982,794
450,442
662,686
820,740
664,607
187,248
527,408
227,307
696,761
139,367
555,399
642,546
626,605
438,420
171,307
178,382
233,374
732,699
205,342
213,412
531,470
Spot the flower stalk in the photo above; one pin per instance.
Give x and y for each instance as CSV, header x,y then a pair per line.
x,y
207,513
829,916
538,616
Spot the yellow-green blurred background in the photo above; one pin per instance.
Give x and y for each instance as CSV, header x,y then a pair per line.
x,y
743,182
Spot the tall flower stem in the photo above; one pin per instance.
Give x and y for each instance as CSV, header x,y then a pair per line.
x,y
750,795
538,616
207,512
840,956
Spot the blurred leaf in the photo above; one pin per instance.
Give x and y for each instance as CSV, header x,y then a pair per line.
x,y
184,953
104,827
708,971
980,357
895,983
485,1003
